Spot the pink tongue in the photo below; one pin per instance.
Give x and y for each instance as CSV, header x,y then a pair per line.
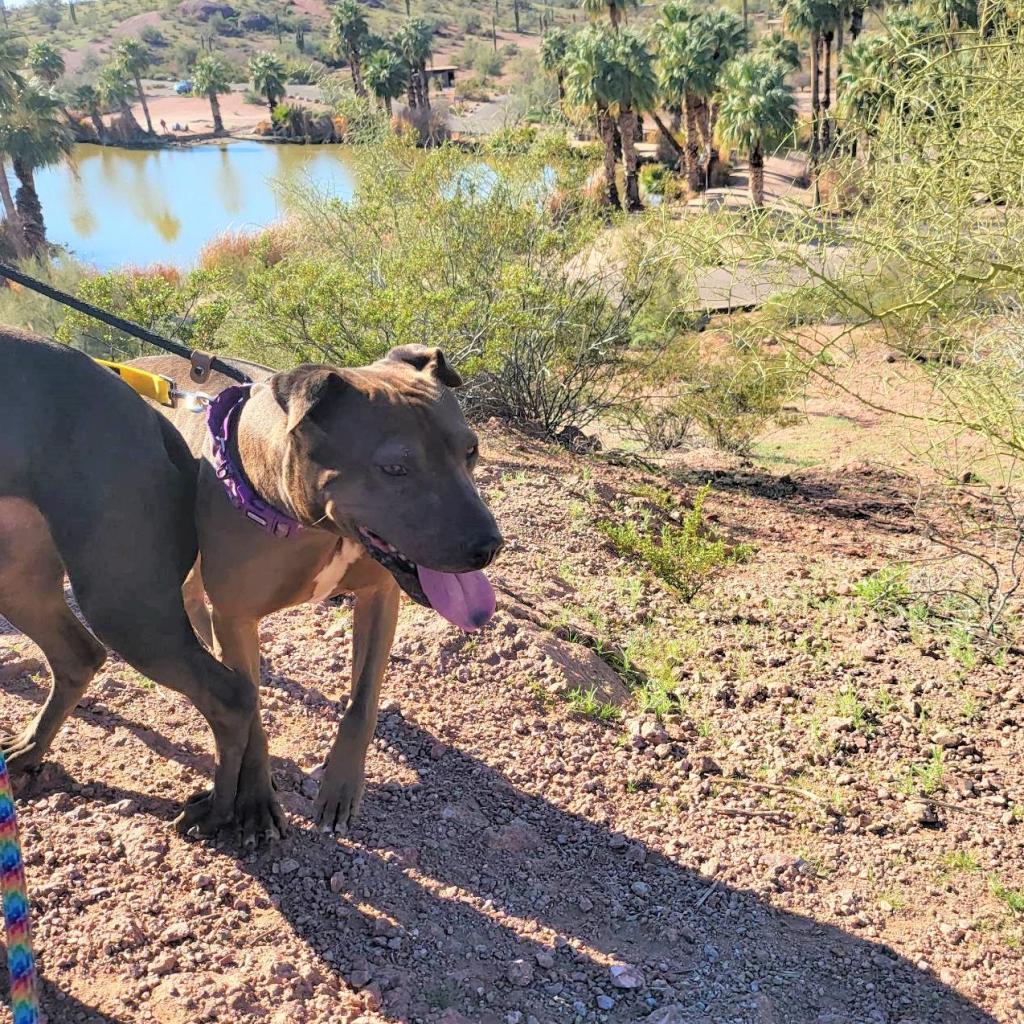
x,y
465,599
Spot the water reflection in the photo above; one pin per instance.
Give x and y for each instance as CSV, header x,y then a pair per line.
x,y
116,206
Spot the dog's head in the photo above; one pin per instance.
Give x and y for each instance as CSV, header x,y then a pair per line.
x,y
384,453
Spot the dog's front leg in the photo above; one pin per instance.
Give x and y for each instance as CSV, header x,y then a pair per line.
x,y
373,630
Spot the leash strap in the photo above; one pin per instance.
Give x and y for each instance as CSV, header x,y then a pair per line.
x,y
119,323
20,960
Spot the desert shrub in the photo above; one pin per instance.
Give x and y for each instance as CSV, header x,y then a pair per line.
x,y
512,140
469,23
475,89
233,251
482,58
152,36
658,428
422,127
363,123
157,299
684,556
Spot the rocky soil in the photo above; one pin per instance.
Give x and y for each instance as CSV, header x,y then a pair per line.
x,y
821,824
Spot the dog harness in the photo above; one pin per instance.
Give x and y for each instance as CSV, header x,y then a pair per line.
x,y
21,963
221,418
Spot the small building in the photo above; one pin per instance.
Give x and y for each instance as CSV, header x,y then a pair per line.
x,y
443,75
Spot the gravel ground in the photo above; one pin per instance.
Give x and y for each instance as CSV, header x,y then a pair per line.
x,y
761,853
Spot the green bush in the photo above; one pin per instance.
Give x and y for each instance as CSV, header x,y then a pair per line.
x,y
684,556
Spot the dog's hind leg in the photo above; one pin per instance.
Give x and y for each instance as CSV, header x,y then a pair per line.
x,y
32,599
237,645
194,594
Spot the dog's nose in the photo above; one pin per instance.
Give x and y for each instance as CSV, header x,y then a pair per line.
x,y
485,549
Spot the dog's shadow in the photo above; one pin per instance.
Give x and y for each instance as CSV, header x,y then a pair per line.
x,y
449,881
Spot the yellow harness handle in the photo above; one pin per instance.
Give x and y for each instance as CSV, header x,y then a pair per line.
x,y
149,385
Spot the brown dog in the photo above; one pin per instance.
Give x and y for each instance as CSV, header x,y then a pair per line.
x,y
94,483
328,481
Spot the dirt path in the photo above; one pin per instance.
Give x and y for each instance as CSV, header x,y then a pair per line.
x,y
520,864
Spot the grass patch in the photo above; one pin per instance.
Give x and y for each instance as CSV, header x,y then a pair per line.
x,y
1012,898
586,703
926,778
683,556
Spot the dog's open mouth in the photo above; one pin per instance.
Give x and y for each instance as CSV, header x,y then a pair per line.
x,y
465,599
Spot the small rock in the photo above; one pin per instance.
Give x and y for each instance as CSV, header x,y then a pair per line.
x,y
605,1002
705,765
166,964
519,973
545,961
946,738
626,976
920,812
641,889
176,933
337,882
288,866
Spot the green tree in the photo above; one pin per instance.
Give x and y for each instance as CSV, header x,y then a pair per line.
x,y
387,76
553,49
589,66
211,77
631,88
757,113
44,61
615,9
726,39
268,73
808,18
116,92
350,31
867,92
11,83
777,46
413,41
134,57
86,97
32,135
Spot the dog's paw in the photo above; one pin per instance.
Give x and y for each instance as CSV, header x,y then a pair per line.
x,y
259,818
23,751
201,817
337,803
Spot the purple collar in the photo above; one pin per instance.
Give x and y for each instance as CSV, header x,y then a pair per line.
x,y
221,419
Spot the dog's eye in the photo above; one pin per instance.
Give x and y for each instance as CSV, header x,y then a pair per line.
x,y
394,469
474,451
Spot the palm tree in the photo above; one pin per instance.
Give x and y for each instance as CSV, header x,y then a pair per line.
x,y
413,43
777,46
757,113
134,57
615,9
387,76
553,49
211,76
267,72
686,73
728,38
588,68
631,88
87,98
804,17
32,136
45,62
867,88
115,89
350,31
831,16
11,83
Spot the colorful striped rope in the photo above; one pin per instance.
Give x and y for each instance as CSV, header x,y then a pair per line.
x,y
20,961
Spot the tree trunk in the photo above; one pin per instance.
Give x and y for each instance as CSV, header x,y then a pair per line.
x,y
713,154
826,102
410,91
627,129
270,106
613,14
856,21
218,121
424,88
98,127
757,178
355,62
30,211
145,105
560,75
667,140
746,15
387,105
607,128
129,119
692,145
515,12
13,220
815,102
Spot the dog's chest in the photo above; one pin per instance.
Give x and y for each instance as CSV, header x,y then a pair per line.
x,y
330,576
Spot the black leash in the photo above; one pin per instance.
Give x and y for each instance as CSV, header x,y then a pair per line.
x,y
201,362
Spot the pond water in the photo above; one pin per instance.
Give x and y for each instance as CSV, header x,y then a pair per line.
x,y
112,207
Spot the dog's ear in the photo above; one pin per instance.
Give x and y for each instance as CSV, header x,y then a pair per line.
x,y
424,357
301,390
